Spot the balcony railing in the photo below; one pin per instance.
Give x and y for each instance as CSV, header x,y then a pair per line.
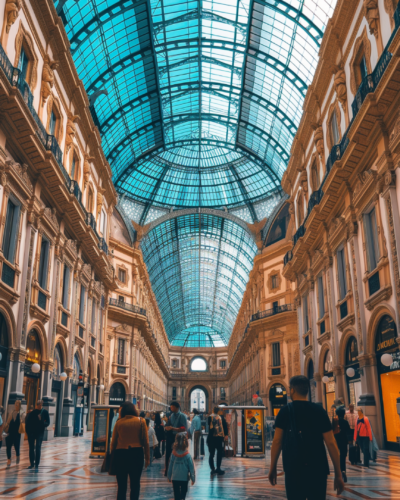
x,y
288,257
368,85
272,312
103,245
127,307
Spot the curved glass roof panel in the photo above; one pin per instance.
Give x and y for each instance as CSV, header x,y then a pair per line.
x,y
203,98
198,265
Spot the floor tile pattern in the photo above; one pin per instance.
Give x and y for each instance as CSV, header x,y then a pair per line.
x,y
67,473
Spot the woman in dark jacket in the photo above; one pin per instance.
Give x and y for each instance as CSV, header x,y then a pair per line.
x,y
341,431
160,433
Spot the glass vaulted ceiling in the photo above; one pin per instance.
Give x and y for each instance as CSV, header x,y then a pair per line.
x,y
203,99
199,266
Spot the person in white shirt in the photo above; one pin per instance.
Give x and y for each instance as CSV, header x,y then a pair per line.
x,y
153,441
351,417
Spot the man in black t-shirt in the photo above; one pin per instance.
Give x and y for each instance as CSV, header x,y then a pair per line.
x,y
301,429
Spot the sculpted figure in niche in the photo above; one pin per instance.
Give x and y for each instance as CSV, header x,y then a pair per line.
x,y
12,10
48,77
71,131
86,168
372,15
340,86
319,141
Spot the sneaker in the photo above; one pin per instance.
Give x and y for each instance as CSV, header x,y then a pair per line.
x,y
17,460
31,467
220,472
8,463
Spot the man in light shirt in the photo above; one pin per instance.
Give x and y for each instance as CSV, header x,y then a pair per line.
x,y
195,431
351,417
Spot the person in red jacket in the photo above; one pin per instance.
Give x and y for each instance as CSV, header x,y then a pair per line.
x,y
363,435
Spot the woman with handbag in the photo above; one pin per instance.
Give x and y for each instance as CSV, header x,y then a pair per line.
x,y
129,449
15,426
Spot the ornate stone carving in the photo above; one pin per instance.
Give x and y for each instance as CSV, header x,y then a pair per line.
x,y
21,171
319,141
11,13
339,82
100,197
48,77
71,131
86,168
336,222
390,6
371,12
256,228
51,214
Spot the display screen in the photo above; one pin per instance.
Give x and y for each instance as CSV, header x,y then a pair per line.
x,y
254,430
100,431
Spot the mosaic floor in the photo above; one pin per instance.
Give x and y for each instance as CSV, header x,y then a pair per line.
x,y
66,473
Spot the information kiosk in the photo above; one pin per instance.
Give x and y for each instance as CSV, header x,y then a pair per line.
x,y
104,419
247,430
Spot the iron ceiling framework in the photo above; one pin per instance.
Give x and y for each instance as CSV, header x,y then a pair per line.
x,y
204,99
198,265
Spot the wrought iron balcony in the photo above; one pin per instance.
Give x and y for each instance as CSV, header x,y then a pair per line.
x,y
128,307
103,245
271,312
288,257
299,233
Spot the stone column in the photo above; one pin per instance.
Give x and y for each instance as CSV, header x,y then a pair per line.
x,y
48,401
393,229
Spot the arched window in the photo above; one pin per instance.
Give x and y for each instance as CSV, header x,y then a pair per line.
x,y
351,352
76,369
198,365
58,366
300,210
334,128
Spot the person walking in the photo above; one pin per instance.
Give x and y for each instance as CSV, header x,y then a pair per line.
x,y
176,423
160,433
351,417
341,432
130,449
152,439
15,426
36,423
215,441
181,467
363,435
301,429
195,432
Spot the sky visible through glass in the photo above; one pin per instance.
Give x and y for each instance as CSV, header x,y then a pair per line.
x,y
203,100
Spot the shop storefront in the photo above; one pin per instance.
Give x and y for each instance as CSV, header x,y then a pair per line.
x,y
329,382
352,372
3,357
117,394
388,366
32,375
277,397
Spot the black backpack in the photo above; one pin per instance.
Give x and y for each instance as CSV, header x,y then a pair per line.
x,y
293,449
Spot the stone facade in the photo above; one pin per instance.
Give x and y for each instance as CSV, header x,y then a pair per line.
x,y
344,196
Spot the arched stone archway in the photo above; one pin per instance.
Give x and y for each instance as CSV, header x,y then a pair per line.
x,y
207,392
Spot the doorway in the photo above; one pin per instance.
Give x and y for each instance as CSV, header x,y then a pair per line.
x,y
199,396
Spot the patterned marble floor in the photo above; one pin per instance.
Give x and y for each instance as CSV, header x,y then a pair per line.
x,y
67,473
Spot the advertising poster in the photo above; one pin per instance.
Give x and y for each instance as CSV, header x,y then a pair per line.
x,y
100,431
254,432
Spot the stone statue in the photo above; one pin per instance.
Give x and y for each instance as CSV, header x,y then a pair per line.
x,y
12,10
319,141
100,193
371,12
340,86
86,168
48,77
71,131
